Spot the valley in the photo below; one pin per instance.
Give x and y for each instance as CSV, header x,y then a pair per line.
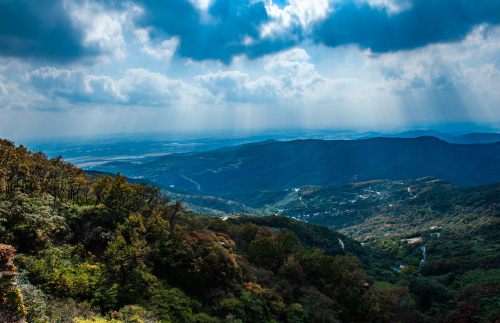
x,y
364,188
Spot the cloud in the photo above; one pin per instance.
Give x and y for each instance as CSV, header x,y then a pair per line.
x,y
297,74
164,50
65,31
441,66
101,27
294,16
3,86
422,70
235,86
138,86
42,30
443,82
288,75
424,22
143,87
202,5
391,6
224,29
75,86
14,96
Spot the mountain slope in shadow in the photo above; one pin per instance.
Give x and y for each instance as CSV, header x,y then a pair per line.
x,y
274,165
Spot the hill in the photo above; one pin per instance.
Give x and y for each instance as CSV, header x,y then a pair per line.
x,y
273,165
468,138
363,210
100,249
475,138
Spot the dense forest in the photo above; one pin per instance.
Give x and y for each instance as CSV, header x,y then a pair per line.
x,y
88,248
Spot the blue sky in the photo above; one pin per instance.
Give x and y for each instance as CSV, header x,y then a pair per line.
x,y
89,67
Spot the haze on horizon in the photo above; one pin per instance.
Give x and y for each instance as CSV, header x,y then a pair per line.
x,y
92,67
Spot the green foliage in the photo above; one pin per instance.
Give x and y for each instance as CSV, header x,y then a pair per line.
x,y
391,303
64,272
102,249
295,313
339,278
172,305
478,297
309,235
66,310
95,319
126,258
34,222
428,291
134,314
105,296
230,306
34,299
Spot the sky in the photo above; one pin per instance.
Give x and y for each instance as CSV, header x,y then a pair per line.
x,y
92,67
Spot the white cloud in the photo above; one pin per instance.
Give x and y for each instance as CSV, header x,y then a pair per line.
x,y
137,87
14,96
418,71
102,28
295,14
392,6
301,15
441,65
76,86
294,70
320,87
287,75
143,87
202,5
164,50
3,86
236,86
438,83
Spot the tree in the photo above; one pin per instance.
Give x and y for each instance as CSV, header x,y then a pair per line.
x,y
127,260
34,222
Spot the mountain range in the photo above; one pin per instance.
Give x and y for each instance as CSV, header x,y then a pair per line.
x,y
277,165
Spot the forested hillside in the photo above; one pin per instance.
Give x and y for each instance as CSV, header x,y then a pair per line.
x,y
89,248
100,249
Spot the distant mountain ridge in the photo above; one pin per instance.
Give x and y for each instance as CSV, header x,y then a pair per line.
x,y
467,138
275,165
475,138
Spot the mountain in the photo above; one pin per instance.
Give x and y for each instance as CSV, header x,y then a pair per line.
x,y
101,249
370,210
92,152
475,138
79,247
275,165
419,133
362,210
467,138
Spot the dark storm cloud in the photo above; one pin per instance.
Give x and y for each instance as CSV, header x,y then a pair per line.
x,y
219,36
426,22
40,29
43,29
